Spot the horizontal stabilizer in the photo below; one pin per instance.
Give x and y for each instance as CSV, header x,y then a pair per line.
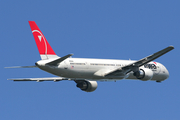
x,y
57,61
40,79
21,67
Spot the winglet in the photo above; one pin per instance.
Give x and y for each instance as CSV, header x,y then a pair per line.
x,y
44,48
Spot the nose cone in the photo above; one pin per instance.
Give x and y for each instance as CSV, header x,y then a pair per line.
x,y
165,73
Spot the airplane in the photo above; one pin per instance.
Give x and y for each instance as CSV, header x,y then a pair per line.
x,y
86,72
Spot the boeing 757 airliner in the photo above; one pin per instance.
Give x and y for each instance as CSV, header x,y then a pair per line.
x,y
86,72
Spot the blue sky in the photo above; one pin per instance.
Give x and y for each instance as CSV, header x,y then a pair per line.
x,y
90,29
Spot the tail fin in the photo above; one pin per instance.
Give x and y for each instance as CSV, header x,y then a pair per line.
x,y
45,50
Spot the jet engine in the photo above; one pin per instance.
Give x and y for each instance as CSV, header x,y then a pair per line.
x,y
88,86
144,74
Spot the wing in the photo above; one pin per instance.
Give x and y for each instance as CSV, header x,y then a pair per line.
x,y
135,66
55,79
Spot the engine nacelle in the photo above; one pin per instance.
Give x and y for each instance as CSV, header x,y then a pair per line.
x,y
88,86
144,74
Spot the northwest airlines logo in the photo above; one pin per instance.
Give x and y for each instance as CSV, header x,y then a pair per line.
x,y
41,37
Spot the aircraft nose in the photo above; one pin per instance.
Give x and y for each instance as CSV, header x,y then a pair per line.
x,y
165,72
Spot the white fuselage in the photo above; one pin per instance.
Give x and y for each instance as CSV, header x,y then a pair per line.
x,y
86,72
83,68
